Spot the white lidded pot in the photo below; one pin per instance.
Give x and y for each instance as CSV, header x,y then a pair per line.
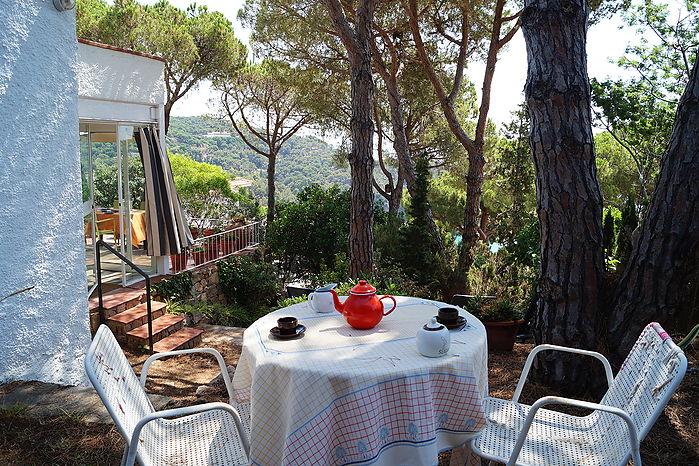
x,y
433,339
321,300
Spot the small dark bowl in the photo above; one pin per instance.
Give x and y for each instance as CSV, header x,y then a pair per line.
x,y
287,324
447,315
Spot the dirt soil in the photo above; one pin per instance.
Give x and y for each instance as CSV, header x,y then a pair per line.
x,y
67,440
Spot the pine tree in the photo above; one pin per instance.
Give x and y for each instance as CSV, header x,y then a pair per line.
x,y
419,244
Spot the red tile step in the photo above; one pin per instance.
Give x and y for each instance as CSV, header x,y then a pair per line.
x,y
119,299
162,327
182,339
135,317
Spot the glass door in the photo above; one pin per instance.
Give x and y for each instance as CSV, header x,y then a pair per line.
x,y
113,202
88,205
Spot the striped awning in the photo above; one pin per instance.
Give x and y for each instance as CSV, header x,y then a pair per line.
x,y
166,224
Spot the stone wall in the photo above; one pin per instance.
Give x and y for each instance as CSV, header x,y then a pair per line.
x,y
206,286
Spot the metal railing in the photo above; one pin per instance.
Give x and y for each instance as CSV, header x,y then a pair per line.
x,y
211,248
101,243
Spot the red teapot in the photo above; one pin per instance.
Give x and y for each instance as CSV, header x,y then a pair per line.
x,y
362,309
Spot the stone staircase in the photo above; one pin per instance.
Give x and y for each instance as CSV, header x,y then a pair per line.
x,y
125,310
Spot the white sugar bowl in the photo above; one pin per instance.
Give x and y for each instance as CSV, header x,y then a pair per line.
x,y
433,339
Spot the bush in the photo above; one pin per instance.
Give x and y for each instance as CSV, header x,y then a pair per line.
x,y
500,310
218,314
388,278
249,283
175,288
308,234
496,274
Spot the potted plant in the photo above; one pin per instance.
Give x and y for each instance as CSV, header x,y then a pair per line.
x,y
501,318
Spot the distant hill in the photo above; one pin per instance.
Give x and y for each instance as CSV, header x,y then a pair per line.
x,y
302,161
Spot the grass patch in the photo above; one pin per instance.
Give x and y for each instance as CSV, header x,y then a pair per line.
x,y
16,410
62,440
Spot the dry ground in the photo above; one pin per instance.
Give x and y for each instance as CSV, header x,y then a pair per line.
x,y
66,440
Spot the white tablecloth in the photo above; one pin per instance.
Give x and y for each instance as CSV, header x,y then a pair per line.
x,y
343,396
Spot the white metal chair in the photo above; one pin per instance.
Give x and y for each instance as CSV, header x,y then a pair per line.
x,y
518,434
205,434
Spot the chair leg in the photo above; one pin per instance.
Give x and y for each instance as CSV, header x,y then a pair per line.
x,y
125,455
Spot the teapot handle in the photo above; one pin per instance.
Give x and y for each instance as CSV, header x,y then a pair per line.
x,y
394,303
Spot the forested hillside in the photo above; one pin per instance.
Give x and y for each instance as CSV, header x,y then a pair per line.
x,y
303,160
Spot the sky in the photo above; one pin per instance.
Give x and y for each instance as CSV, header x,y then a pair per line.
x,y
606,42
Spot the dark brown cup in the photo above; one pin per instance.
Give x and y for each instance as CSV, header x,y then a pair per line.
x,y
287,324
447,315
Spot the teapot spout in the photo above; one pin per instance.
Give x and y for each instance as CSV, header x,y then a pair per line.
x,y
339,306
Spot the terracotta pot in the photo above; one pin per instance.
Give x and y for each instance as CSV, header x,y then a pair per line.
x,y
194,232
178,262
501,335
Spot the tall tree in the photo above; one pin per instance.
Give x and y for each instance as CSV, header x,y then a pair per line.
x,y
653,283
446,95
197,44
297,31
569,202
356,39
639,112
273,91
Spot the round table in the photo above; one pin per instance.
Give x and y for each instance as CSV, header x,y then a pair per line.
x,y
338,395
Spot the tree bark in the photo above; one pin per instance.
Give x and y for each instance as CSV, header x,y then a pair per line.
x,y
357,41
271,187
167,108
652,286
569,202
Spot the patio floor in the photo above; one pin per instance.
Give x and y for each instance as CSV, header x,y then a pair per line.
x,y
67,439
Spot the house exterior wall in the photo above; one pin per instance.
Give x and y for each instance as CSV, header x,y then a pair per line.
x,y
114,85
44,332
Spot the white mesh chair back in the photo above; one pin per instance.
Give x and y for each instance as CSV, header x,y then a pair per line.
x,y
115,382
648,378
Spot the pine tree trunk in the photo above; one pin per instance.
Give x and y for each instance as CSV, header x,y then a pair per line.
x,y
653,284
271,187
569,202
358,41
361,160
167,108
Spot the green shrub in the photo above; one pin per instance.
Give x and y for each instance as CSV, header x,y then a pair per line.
x,y
286,302
308,234
249,283
175,288
219,314
496,274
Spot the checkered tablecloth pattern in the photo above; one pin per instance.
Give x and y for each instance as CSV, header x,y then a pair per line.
x,y
343,396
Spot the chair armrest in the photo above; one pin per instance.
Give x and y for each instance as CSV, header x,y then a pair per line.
x,y
219,358
168,413
547,400
540,348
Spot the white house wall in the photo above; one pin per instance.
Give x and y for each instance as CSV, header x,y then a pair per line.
x,y
114,85
44,332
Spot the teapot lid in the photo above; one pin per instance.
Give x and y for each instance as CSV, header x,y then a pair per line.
x,y
433,325
363,287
